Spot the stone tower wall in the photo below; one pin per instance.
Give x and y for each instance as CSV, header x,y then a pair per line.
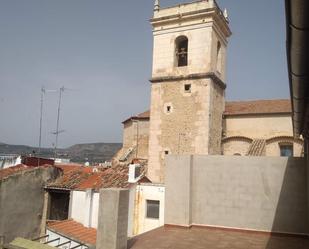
x,y
186,122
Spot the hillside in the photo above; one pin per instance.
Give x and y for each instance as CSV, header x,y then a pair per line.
x,y
80,153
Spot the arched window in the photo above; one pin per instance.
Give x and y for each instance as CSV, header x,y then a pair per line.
x,y
219,57
181,51
286,149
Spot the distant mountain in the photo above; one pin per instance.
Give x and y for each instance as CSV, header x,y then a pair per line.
x,y
79,153
93,152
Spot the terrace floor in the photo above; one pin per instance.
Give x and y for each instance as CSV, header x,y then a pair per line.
x,y
209,238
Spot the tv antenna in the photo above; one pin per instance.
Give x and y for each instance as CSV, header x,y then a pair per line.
x,y
43,91
57,132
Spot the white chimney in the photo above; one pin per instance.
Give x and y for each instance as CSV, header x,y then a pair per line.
x,y
134,173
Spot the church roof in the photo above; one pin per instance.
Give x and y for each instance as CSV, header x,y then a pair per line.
x,y
143,115
271,106
251,107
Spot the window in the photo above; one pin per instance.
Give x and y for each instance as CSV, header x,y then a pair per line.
x,y
286,150
168,108
181,51
188,88
153,209
166,152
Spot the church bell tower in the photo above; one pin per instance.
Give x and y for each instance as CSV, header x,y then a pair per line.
x,y
188,82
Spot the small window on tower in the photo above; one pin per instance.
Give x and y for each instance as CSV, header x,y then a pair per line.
x,y
188,88
181,51
166,152
168,109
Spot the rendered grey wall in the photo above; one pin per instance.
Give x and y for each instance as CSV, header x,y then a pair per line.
x,y
112,232
21,202
178,195
260,193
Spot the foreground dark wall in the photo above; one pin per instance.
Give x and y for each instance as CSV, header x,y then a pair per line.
x,y
21,202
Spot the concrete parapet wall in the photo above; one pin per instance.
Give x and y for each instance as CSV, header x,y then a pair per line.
x,y
258,193
21,202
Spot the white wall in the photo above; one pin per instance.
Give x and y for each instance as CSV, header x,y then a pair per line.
x,y
95,210
137,221
80,213
132,194
78,206
9,161
146,192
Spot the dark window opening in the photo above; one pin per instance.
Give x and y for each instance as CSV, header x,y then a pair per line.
x,y
153,209
59,205
286,150
182,51
187,87
168,108
166,152
219,57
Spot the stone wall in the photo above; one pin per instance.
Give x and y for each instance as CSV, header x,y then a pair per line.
x,y
136,135
274,128
185,129
256,193
186,121
237,146
216,109
259,126
21,202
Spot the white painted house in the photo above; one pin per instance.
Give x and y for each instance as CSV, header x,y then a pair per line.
x,y
7,161
79,188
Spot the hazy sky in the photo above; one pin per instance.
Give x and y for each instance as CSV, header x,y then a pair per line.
x,y
103,50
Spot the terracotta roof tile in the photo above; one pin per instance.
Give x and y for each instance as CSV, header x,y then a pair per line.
x,y
12,170
17,169
74,230
258,107
82,178
143,115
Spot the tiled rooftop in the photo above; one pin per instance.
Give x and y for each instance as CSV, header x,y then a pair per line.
x,y
206,238
4,173
82,178
258,107
244,108
143,115
74,230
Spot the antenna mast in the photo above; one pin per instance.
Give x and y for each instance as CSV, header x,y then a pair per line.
x,y
58,119
41,118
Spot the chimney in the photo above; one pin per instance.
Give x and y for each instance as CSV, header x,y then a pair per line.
x,y
134,173
112,230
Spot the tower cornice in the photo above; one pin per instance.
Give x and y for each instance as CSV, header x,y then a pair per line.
x,y
209,75
184,13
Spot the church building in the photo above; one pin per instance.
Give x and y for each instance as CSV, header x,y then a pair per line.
x,y
188,113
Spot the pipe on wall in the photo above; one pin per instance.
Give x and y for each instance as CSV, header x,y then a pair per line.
x,y
298,62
